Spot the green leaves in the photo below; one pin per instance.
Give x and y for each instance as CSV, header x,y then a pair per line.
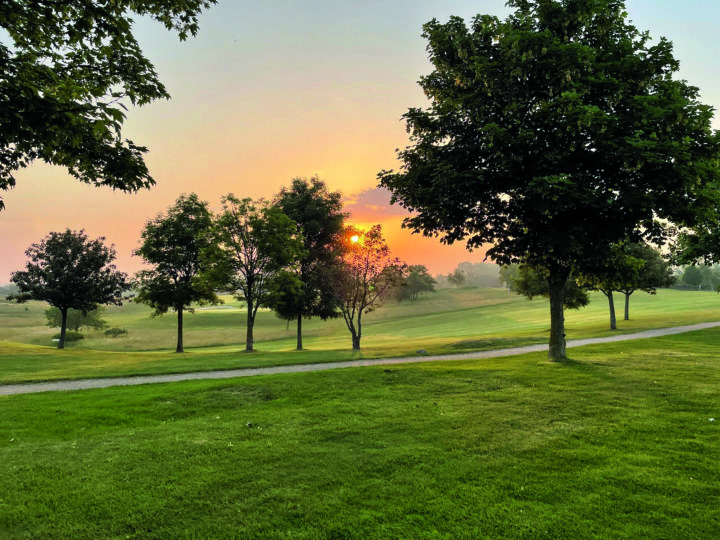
x,y
65,77
173,244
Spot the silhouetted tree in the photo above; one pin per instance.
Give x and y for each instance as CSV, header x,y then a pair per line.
x,y
368,273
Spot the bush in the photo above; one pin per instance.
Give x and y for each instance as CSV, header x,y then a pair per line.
x,y
70,336
115,332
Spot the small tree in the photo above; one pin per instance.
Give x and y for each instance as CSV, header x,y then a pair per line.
x,y
173,244
619,271
366,276
417,281
508,275
256,242
655,273
76,319
693,277
457,278
69,271
531,282
319,216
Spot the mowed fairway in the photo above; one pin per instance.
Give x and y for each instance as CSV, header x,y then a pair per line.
x,y
450,321
617,443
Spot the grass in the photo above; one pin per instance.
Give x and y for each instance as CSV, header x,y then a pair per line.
x,y
616,443
451,321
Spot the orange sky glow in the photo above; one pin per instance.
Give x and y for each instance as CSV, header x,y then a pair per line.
x,y
276,90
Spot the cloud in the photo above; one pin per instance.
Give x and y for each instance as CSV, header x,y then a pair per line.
x,y
373,205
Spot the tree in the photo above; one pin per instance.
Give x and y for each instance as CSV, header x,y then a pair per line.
x,y
76,319
693,276
417,281
69,271
508,275
66,77
619,271
457,278
551,136
256,242
319,217
530,283
173,244
655,273
367,275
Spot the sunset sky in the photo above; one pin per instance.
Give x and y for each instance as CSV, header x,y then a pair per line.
x,y
273,90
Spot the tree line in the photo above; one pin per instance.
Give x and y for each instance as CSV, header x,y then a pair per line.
x,y
294,255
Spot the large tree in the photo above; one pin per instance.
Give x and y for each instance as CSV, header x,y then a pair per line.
x,y
319,215
173,244
68,270
68,70
550,136
365,278
256,243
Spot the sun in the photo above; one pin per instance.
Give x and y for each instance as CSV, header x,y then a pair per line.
x,y
355,239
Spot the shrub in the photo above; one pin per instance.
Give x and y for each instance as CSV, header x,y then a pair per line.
x,y
115,332
70,336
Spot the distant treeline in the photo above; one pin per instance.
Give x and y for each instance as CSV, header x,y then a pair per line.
x,y
7,290
469,274
701,277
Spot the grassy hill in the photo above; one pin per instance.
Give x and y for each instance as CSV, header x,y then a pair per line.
x,y
452,320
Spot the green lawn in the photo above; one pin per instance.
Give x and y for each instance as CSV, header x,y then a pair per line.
x,y
616,443
451,321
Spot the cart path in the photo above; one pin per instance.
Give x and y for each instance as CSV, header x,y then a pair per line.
x,y
85,384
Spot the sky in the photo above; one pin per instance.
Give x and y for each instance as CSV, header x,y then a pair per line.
x,y
270,91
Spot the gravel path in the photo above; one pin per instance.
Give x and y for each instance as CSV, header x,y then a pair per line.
x,y
250,372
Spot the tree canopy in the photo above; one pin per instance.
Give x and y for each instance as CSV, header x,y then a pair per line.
x,y
68,270
67,74
173,243
550,136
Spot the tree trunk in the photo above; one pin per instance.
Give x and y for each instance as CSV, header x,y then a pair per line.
x,y
611,304
357,335
179,347
63,327
627,306
299,333
249,340
556,285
